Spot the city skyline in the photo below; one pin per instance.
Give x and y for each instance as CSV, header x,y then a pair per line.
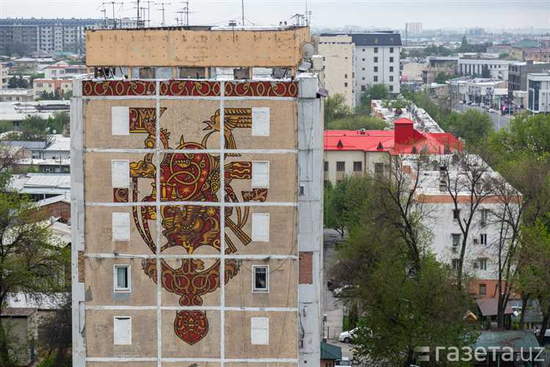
x,y
490,14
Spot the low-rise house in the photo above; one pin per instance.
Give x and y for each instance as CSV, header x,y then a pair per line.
x,y
357,152
52,86
42,185
16,95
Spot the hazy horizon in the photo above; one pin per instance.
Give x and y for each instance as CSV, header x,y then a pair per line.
x,y
393,14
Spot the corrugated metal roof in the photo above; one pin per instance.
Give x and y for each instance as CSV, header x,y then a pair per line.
x,y
60,143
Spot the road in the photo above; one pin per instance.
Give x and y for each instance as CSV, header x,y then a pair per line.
x,y
499,121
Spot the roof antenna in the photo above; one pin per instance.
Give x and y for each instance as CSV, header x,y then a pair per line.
x,y
242,11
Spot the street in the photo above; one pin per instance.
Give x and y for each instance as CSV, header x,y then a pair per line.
x,y
499,121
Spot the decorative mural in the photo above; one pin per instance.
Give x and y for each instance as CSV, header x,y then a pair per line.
x,y
190,177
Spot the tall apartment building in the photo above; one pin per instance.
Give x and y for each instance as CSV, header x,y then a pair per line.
x,y
193,247
338,57
44,35
376,60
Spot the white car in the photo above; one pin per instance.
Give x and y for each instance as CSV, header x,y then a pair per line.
x,y
347,336
345,361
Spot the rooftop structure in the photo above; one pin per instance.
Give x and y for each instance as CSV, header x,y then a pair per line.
x,y
422,119
41,185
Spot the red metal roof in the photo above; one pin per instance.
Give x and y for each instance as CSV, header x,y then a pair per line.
x,y
404,139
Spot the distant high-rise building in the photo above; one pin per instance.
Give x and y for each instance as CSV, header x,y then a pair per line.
x,y
29,36
413,28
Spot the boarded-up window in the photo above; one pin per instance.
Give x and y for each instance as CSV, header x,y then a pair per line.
x,y
260,227
305,275
120,120
260,121
120,174
259,330
121,226
260,175
122,330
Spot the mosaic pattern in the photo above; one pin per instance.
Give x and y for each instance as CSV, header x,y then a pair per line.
x,y
261,89
191,177
190,88
118,88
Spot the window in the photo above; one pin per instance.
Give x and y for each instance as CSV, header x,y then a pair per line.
x,y
260,121
482,289
456,241
121,278
455,264
146,73
456,214
376,50
345,76
346,84
483,238
391,59
364,50
379,169
122,330
261,278
376,69
363,88
120,226
391,78
391,69
259,330
120,173
391,50
340,166
375,78
260,174
357,166
376,59
484,216
326,166
260,227
482,262
391,88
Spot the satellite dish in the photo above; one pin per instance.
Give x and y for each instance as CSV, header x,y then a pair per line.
x,y
308,50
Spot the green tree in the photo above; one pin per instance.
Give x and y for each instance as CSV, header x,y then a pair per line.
x,y
343,202
376,91
442,77
473,126
357,122
336,108
29,256
403,301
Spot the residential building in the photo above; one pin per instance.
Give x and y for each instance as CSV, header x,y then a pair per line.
x,y
537,54
414,28
16,95
62,70
486,68
517,74
376,59
59,87
538,92
4,76
350,152
438,175
43,36
439,64
41,186
338,57
182,252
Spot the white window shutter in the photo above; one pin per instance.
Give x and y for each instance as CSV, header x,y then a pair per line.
x,y
259,330
122,330
260,227
120,173
260,175
260,121
121,226
120,120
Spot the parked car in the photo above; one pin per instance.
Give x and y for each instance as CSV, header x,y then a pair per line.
x,y
345,361
347,336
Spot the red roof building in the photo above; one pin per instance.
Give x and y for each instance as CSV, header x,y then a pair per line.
x,y
355,152
403,139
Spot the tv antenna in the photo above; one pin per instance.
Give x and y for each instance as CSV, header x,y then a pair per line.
x,y
242,12
162,6
112,3
181,19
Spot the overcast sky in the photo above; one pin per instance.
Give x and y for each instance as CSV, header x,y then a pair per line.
x,y
326,13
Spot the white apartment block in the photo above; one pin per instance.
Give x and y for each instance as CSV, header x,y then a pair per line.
x,y
338,52
538,92
376,60
497,69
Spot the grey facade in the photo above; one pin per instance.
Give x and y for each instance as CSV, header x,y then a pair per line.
x,y
517,74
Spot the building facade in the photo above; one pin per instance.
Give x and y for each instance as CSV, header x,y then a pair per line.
x,y
496,69
338,59
517,74
538,92
27,36
193,247
376,60
537,54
